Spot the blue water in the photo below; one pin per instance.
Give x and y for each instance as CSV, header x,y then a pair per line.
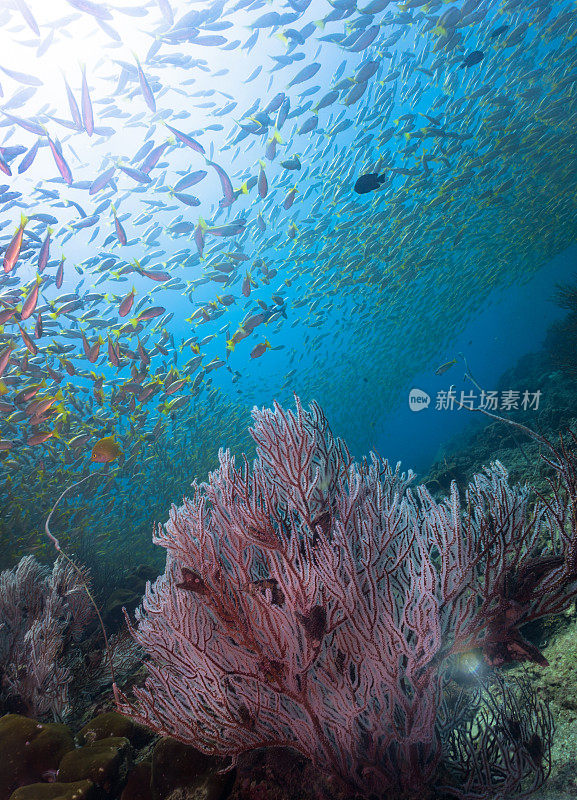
x,y
513,323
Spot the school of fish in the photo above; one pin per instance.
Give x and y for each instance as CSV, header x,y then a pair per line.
x,y
180,235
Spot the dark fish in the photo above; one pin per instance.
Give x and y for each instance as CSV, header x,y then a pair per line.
x,y
291,163
60,273
368,182
227,190
498,31
365,39
473,58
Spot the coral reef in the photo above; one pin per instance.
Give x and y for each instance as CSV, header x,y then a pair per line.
x,y
30,751
550,371
561,342
314,603
114,759
42,615
484,441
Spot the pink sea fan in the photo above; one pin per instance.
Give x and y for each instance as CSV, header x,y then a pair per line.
x,y
309,601
41,610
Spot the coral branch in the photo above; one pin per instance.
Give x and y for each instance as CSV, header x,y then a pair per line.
x,y
313,602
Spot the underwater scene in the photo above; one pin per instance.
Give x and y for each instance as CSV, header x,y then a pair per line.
x,y
288,399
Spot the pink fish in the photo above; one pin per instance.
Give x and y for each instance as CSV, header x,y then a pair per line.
x,y
155,275
63,167
5,358
151,313
120,232
60,273
260,349
30,346
30,303
289,199
145,88
4,166
39,438
6,314
126,304
74,111
262,183
199,238
44,254
226,185
87,113
13,250
187,140
113,354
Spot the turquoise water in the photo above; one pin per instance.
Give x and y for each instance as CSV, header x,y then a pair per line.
x,y
359,296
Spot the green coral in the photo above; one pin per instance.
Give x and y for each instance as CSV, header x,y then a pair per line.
x,y
103,762
112,724
29,749
81,790
176,765
138,783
